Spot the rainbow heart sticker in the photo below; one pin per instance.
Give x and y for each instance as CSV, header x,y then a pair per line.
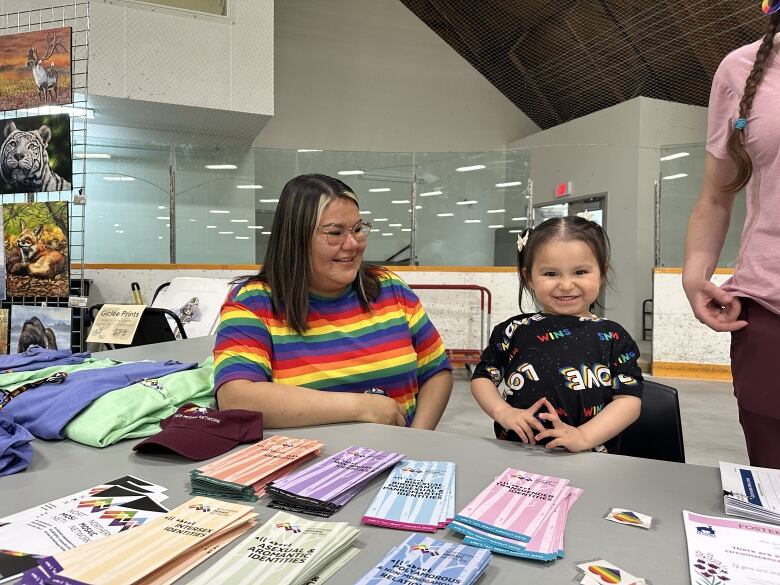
x,y
628,517
607,574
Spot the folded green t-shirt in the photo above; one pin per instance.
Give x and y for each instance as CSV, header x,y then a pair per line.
x,y
136,411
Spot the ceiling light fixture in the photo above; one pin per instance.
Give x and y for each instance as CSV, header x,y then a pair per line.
x,y
469,168
221,167
674,156
509,184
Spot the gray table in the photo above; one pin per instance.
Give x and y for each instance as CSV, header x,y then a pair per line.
x,y
657,488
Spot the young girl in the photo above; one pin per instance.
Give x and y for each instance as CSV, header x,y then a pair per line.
x,y
571,378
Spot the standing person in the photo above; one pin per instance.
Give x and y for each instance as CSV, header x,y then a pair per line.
x,y
317,336
562,366
743,150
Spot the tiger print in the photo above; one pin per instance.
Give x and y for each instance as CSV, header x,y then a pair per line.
x,y
24,162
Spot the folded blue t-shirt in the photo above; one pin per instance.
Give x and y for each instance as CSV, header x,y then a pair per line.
x,y
37,357
15,449
45,410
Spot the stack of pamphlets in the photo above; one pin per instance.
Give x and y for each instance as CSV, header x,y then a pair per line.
x,y
751,492
326,486
112,507
417,495
159,552
286,550
519,514
244,474
422,560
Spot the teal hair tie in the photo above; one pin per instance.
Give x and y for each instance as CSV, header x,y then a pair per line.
x,y
740,123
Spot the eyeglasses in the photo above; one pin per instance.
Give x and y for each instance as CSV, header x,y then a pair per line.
x,y
336,233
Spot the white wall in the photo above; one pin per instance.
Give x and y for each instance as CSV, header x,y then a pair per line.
x,y
370,75
615,151
455,313
677,335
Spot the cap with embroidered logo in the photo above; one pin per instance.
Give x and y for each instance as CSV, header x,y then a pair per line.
x,y
198,432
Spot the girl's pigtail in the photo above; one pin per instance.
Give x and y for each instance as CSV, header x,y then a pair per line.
x,y
522,247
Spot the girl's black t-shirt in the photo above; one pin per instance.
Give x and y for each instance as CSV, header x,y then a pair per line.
x,y
577,363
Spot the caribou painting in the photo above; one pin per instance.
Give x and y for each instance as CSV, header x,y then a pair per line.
x,y
46,78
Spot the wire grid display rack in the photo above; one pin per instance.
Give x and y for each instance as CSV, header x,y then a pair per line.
x,y
76,16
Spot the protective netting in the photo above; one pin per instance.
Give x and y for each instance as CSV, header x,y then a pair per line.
x,y
561,60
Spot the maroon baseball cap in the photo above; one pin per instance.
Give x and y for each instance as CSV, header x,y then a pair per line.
x,y
199,433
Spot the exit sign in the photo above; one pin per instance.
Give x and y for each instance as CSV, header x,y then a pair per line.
x,y
563,189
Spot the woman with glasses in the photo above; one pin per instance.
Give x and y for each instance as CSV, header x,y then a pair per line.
x,y
318,337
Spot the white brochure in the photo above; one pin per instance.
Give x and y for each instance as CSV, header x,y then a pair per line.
x,y
729,551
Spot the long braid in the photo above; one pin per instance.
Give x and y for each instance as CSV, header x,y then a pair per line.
x,y
736,144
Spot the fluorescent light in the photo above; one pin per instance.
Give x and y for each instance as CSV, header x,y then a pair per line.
x,y
239,221
309,150
418,206
430,193
249,186
495,226
193,219
167,225
120,178
266,233
254,227
225,233
394,225
406,229
221,167
91,155
268,200
470,168
516,231
353,172
218,211
119,231
509,184
380,190
496,210
378,219
675,155
165,217
519,219
444,214
467,202
116,225
366,212
472,221
400,201
159,237
388,234
211,227
242,237
161,207
677,176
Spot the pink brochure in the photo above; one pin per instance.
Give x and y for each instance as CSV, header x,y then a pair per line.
x,y
515,504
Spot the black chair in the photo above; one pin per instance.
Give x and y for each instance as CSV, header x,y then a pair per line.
x,y
153,327
657,433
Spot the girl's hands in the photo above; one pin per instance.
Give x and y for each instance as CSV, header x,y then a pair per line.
x,y
522,421
563,435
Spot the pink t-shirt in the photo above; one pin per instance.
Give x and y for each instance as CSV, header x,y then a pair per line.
x,y
757,273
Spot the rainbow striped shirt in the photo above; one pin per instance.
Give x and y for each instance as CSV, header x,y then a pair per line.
x,y
347,349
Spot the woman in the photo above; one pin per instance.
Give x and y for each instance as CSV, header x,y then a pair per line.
x,y
315,318
743,149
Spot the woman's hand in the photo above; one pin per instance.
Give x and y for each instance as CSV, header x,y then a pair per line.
x,y
563,435
713,306
382,410
521,420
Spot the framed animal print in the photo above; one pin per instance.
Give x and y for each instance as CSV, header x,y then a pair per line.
x,y
35,68
36,249
3,331
48,327
35,154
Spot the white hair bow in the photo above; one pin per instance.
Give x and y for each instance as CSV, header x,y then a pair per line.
x,y
522,240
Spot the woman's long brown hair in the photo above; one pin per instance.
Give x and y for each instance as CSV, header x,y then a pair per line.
x,y
736,144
